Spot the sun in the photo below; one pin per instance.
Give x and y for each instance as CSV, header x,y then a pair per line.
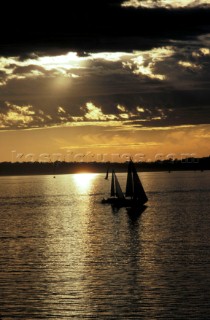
x,y
84,181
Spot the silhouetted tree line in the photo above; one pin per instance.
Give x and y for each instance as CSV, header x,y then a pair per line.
x,y
30,168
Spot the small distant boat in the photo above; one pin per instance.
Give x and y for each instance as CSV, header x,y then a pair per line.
x,y
134,196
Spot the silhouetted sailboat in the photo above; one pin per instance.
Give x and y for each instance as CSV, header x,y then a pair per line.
x,y
134,194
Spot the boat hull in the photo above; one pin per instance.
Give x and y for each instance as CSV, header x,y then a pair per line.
x,y
123,202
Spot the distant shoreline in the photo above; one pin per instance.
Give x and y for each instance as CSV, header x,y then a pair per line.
x,y
57,168
60,174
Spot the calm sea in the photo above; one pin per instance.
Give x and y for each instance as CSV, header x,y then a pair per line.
x,y
64,255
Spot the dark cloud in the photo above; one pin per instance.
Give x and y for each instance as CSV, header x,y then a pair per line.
x,y
101,26
28,69
24,56
176,117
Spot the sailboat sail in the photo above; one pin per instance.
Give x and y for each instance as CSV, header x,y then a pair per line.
x,y
107,173
113,185
134,195
119,192
139,193
129,183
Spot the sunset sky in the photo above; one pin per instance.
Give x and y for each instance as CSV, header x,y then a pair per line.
x,y
120,77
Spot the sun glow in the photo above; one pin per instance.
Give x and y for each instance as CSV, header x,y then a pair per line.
x,y
84,181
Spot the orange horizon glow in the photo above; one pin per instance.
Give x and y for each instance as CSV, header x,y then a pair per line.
x,y
99,144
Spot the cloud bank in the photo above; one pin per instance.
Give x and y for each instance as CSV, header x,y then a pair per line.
x,y
164,86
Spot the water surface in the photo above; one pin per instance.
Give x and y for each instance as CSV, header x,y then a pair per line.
x,y
64,255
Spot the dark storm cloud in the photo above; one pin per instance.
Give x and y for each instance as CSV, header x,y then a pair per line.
x,y
101,26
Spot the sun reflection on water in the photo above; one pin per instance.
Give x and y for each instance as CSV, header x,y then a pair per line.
x,y
84,181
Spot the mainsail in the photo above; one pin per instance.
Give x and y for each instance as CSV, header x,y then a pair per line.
x,y
138,190
129,183
119,192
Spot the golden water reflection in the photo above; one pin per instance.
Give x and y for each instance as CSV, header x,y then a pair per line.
x,y
84,181
64,255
